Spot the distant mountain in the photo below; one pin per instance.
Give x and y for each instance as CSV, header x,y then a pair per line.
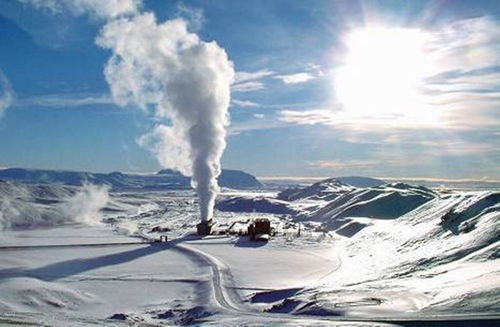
x,y
238,178
359,181
164,179
255,204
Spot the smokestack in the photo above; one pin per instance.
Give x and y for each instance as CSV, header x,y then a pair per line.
x,y
188,83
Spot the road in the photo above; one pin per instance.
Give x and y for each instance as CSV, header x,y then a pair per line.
x,y
225,296
230,302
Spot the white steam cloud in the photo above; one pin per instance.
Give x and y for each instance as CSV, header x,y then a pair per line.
x,y
24,206
164,65
6,93
187,81
85,206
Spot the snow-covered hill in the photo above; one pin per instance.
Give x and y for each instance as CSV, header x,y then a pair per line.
x,y
417,263
383,202
395,250
327,189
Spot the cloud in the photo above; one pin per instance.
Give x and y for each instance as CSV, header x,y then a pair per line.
x,y
194,16
253,81
311,117
484,179
64,100
241,77
248,86
455,147
243,103
102,9
456,88
295,78
258,123
250,81
329,164
6,93
467,44
259,116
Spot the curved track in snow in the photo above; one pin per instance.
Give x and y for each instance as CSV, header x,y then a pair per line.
x,y
227,298
230,302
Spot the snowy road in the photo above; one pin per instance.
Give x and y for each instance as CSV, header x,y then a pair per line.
x,y
230,301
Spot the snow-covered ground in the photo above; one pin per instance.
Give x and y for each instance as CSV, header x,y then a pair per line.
x,y
82,256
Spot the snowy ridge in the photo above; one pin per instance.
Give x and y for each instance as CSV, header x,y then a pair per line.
x,y
436,267
326,189
405,248
384,202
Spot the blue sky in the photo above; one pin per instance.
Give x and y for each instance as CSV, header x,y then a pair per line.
x,y
295,109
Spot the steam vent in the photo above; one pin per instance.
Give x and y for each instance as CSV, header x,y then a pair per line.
x,y
204,228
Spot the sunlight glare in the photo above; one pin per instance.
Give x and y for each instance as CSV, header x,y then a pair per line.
x,y
382,72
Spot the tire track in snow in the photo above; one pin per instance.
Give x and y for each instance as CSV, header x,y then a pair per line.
x,y
227,298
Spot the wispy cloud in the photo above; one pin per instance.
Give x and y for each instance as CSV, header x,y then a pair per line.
x,y
307,117
96,8
194,16
261,122
243,103
458,92
253,81
6,93
460,95
64,100
241,77
250,81
329,164
247,86
484,179
295,78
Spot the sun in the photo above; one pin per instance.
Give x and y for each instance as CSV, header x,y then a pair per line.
x,y
382,72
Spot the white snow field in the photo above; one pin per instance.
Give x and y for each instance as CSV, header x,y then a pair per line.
x,y
392,255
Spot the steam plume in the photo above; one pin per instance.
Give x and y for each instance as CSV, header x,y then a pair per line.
x,y
21,206
187,81
163,65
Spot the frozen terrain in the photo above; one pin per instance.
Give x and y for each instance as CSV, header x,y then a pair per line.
x,y
386,255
